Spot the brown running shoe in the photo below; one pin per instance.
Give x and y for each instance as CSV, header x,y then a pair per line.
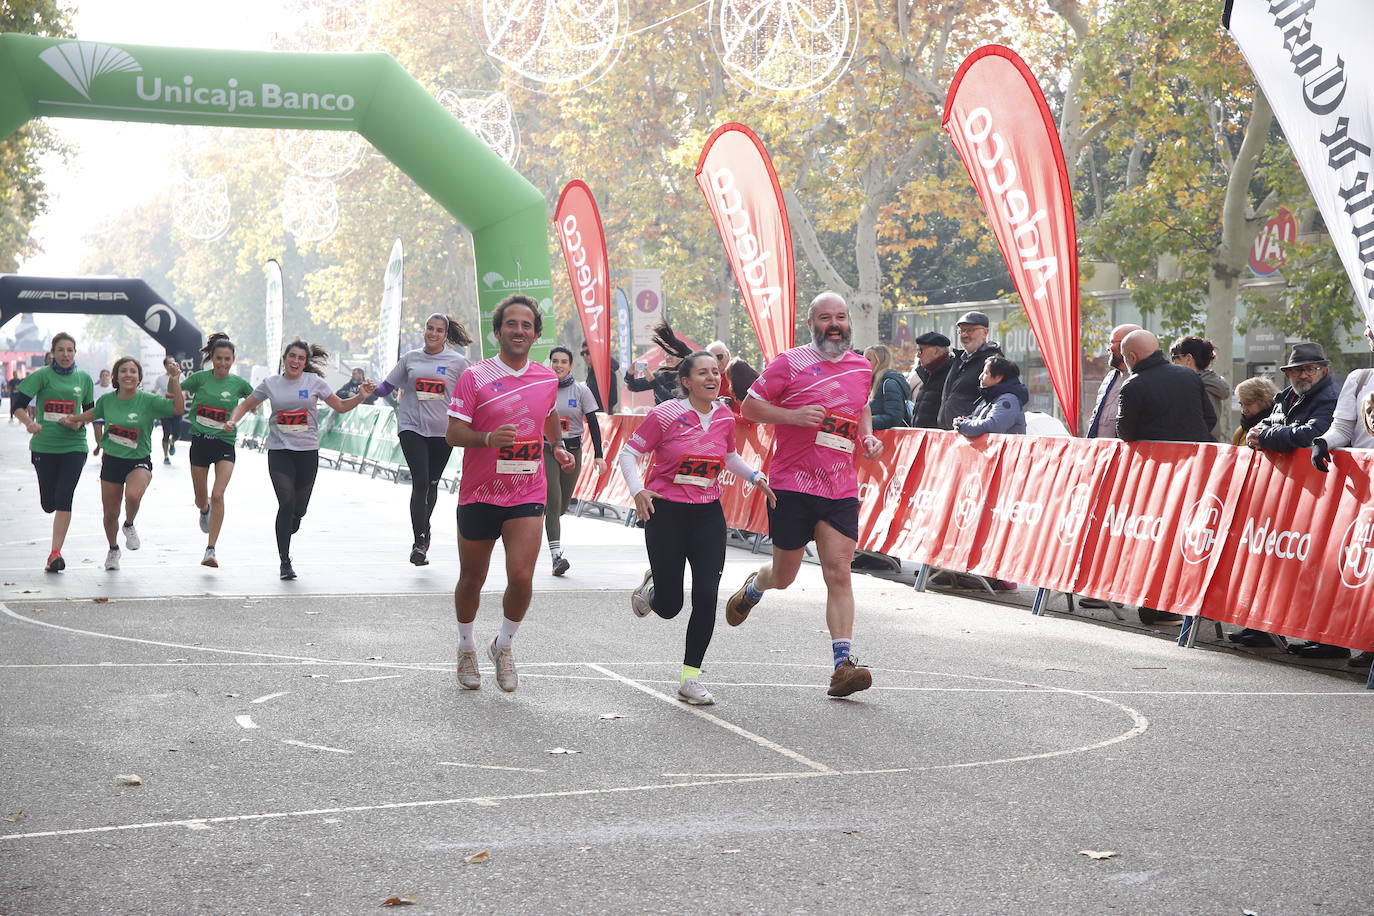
x,y
849,678
739,605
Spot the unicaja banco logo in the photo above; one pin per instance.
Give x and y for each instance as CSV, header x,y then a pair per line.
x,y
81,62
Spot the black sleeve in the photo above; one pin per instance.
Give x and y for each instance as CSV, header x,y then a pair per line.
x,y
638,384
89,405
594,428
20,400
1126,414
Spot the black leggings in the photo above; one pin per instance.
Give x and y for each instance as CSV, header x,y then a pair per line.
x,y
677,534
426,456
293,477
58,474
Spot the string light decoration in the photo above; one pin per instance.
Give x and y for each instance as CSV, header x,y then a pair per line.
x,y
787,49
200,207
322,25
555,45
489,115
309,208
319,153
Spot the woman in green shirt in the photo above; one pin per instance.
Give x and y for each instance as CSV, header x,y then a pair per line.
x,y
126,470
215,393
58,451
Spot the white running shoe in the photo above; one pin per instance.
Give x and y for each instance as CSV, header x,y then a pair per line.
x,y
692,693
131,537
469,675
505,667
640,600
209,558
205,521
112,558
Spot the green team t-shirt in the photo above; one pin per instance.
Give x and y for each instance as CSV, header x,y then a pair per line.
x,y
214,402
55,396
129,423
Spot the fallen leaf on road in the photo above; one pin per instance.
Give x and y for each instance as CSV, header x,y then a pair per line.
x,y
101,600
477,858
561,750
11,583
1098,853
611,715
16,817
130,779
401,901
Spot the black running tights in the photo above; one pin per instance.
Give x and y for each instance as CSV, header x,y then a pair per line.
x,y
293,477
426,456
678,534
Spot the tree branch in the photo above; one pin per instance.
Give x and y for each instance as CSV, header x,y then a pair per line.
x,y
805,232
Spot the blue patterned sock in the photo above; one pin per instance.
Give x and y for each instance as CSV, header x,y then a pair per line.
x,y
752,593
841,649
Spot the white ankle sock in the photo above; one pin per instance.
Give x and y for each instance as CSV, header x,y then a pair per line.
x,y
465,641
508,628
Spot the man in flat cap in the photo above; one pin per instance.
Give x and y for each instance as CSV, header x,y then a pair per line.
x,y
1303,410
932,368
961,385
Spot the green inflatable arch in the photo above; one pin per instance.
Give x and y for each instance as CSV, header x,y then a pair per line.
x,y
368,93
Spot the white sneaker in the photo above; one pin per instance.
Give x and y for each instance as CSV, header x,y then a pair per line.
x,y
640,601
209,558
131,537
204,521
469,675
112,558
691,692
505,667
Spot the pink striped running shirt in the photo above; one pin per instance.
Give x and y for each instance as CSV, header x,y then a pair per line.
x,y
687,460
492,394
817,460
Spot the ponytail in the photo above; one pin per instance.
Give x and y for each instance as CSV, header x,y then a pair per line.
x,y
669,343
315,355
215,341
457,334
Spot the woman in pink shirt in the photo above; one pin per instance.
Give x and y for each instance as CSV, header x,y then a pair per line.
x,y
691,441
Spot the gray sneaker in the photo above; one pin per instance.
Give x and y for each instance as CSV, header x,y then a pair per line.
x,y
505,667
469,675
205,522
691,692
112,558
131,540
641,598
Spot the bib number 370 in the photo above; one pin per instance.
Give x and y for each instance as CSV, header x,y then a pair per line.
x,y
520,457
838,431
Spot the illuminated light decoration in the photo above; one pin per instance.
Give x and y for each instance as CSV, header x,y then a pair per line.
x,y
489,115
555,45
309,208
200,207
319,153
322,25
788,49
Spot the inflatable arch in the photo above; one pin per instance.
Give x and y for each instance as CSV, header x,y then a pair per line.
x,y
367,93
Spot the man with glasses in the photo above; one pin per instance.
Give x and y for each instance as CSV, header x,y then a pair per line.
x,y
1304,409
591,381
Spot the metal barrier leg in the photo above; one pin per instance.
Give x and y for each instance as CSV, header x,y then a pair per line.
x,y
922,577
1369,684
1042,597
1187,633
1194,630
758,542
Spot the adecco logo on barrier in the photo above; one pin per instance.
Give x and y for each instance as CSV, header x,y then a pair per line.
x,y
1200,534
1357,551
1073,514
970,502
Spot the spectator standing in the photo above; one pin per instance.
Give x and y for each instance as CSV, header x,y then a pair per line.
x,y
933,361
1103,423
1198,353
1304,409
961,385
663,383
591,381
352,386
889,398
1256,396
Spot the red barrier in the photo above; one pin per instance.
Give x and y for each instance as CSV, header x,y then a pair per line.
x,y
1240,536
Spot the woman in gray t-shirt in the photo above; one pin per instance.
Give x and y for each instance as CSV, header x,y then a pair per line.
x,y
426,379
577,408
293,439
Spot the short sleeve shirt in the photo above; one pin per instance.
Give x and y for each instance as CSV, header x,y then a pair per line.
x,y
491,394
687,458
129,422
213,402
294,422
428,382
54,397
1357,384
817,460
575,401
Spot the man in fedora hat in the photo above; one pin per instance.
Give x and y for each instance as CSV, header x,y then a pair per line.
x,y
932,367
1303,410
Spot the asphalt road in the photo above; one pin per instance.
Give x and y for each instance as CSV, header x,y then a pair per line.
x,y
302,747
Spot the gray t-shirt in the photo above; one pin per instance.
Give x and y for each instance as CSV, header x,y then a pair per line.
x,y
427,383
293,423
573,403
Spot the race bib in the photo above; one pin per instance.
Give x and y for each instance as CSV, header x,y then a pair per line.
x,y
430,389
122,436
565,424
292,422
520,457
54,410
211,417
838,431
696,471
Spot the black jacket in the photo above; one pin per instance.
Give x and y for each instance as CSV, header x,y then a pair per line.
x,y
663,383
931,394
1162,402
1295,421
961,385
615,393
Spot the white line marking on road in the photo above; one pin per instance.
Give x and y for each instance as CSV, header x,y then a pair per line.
x,y
488,766
245,722
273,696
359,680
316,747
724,775
728,726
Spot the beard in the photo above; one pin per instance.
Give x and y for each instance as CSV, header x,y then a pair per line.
x,y
832,346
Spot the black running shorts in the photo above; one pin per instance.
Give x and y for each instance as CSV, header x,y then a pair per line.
x,y
209,450
483,521
792,522
117,470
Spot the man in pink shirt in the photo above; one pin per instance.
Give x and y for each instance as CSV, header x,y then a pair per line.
x,y
816,395
501,414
